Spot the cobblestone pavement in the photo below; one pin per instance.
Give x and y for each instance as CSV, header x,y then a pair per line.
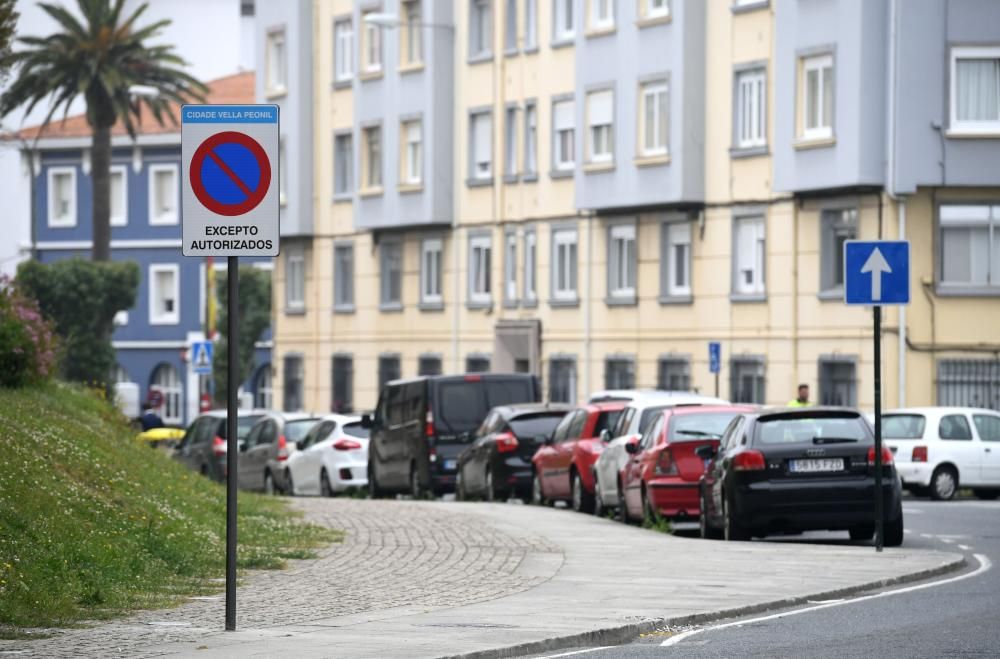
x,y
395,554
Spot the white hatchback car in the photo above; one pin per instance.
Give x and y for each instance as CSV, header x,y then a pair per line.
x,y
331,458
939,449
641,409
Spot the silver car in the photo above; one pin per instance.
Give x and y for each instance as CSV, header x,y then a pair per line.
x,y
272,439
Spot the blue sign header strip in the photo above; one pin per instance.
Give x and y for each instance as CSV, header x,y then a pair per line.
x,y
229,114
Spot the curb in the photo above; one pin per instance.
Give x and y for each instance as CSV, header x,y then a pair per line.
x,y
625,633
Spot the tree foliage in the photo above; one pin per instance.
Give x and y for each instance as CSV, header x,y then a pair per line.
x,y
8,25
254,317
81,298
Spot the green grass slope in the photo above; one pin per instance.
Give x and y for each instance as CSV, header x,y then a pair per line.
x,y
93,524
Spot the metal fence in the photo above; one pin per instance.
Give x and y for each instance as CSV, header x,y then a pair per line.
x,y
969,383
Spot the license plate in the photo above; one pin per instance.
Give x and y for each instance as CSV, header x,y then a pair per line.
x,y
450,465
816,464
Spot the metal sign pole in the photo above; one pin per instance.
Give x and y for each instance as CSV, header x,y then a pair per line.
x,y
716,384
878,429
232,449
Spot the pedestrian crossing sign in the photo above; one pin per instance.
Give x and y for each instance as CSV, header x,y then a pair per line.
x,y
201,357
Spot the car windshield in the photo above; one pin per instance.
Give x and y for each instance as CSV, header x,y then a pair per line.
x,y
699,426
903,426
244,424
529,426
606,421
354,429
648,415
296,430
811,430
462,405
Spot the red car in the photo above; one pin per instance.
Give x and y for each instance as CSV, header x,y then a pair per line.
x,y
662,473
564,465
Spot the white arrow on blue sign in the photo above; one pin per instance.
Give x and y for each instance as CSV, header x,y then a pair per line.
x,y
877,272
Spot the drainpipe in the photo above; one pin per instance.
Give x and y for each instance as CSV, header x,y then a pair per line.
x,y
901,209
900,200
587,304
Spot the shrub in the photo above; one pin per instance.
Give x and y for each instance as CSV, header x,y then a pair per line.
x,y
27,342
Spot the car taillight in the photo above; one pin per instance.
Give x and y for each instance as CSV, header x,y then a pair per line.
x,y
665,465
429,425
919,454
749,461
218,446
282,448
346,445
473,378
886,456
506,442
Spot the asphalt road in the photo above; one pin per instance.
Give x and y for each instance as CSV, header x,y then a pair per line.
x,y
958,619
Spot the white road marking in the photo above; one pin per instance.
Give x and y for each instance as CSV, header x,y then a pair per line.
x,y
570,654
984,565
947,540
913,511
964,547
926,535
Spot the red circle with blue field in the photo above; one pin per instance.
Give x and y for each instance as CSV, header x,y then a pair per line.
x,y
230,173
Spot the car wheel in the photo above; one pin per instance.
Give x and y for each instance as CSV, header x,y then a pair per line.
x,y
704,530
289,484
416,487
269,488
583,501
863,532
324,484
648,514
986,495
460,494
892,531
204,471
374,492
731,529
621,512
944,484
537,494
491,493
599,509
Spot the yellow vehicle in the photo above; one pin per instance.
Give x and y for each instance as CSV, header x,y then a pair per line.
x,y
157,436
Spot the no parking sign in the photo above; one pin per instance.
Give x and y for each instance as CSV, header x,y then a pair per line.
x,y
230,180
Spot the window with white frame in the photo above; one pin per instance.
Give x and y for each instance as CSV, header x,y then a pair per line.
x,y
970,246
837,226
411,42
621,261
530,265
62,196
563,21
480,252
975,90
676,259
477,363
530,139
429,365
167,381
653,118
119,195
481,145
163,194
263,388
748,255
430,270
413,156
838,381
164,294
294,377
342,376
602,14
530,24
343,276
480,29
673,373
562,379
510,267
510,26
510,142
343,56
295,281
619,373
391,273
282,172
650,9
751,109
371,47
277,62
389,369
372,178
817,99
746,379
343,164
564,134
564,260
600,120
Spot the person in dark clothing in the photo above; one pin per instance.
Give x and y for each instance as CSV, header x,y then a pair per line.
x,y
150,419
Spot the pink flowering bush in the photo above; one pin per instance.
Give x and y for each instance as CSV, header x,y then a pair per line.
x,y
27,342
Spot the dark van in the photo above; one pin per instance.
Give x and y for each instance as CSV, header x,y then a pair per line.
x,y
421,425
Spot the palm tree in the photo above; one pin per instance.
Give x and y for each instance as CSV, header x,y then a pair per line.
x,y
103,58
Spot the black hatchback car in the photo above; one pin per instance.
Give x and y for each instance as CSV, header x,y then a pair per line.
x,y
798,469
498,463
203,447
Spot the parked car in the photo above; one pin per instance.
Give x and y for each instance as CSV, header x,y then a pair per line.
x,y
332,457
271,441
939,449
421,425
626,395
633,421
564,465
662,476
497,464
203,447
799,469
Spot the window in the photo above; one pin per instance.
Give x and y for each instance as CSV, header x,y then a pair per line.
x,y
373,158
675,260
988,427
653,119
673,374
412,46
530,24
119,195
480,29
563,26
955,426
510,267
430,271
429,365
600,137
343,276
481,146
838,226
413,152
564,134
277,63
837,383
391,274
343,165
510,29
479,269
163,194
564,264
62,196
371,48
263,388
602,14
619,373
282,172
166,380
748,256
751,109
164,294
621,261
530,266
295,274
969,383
530,140
343,56
562,380
817,102
970,246
652,9
342,385
975,90
510,143
747,380
388,370
477,364
294,383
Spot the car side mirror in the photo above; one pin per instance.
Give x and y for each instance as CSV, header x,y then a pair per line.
x,y
366,421
301,444
548,441
605,435
631,447
242,445
705,452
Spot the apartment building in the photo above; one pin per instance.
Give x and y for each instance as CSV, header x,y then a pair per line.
x,y
592,190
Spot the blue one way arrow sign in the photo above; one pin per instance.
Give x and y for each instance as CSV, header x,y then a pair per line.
x,y
877,272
